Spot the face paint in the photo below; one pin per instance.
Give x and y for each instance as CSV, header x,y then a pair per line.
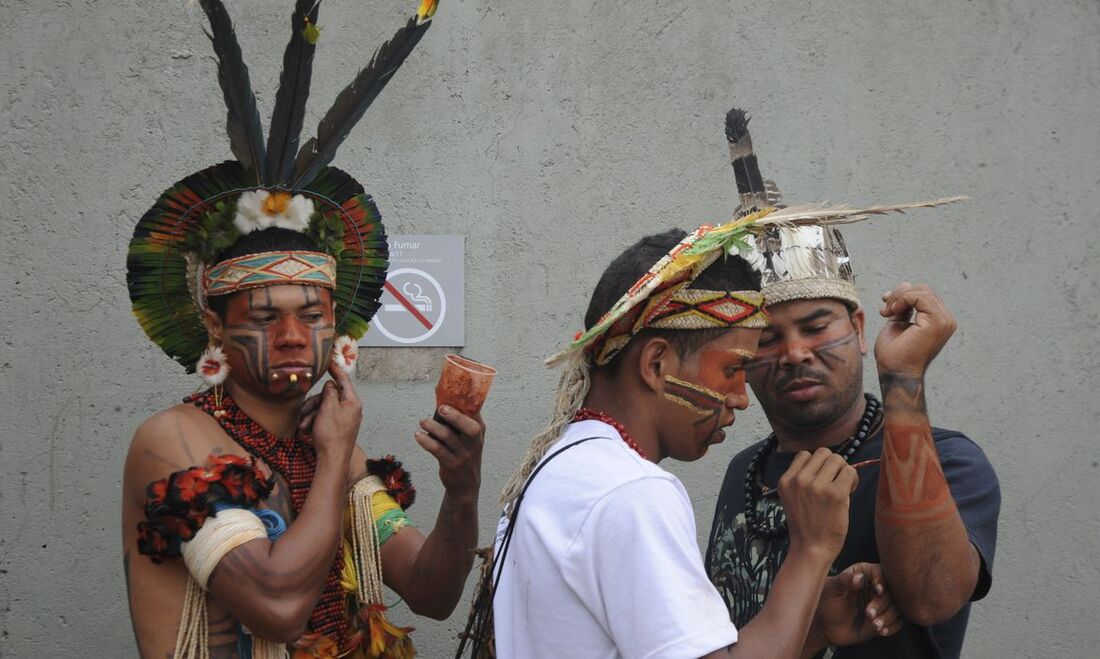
x,y
724,370
765,367
248,339
709,385
278,339
322,338
808,371
702,401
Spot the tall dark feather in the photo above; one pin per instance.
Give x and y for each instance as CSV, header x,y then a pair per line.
x,y
354,101
750,184
243,120
290,101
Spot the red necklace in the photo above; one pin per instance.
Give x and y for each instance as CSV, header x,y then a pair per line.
x,y
589,414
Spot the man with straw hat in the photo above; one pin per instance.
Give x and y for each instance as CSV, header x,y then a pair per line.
x,y
927,500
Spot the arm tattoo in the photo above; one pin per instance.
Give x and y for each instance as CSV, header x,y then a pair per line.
x,y
226,651
246,567
903,393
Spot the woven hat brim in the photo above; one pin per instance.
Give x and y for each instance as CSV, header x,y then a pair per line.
x,y
810,289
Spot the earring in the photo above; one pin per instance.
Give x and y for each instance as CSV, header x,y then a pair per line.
x,y
212,366
214,369
345,353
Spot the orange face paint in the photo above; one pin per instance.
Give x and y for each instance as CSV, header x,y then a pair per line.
x,y
720,374
723,371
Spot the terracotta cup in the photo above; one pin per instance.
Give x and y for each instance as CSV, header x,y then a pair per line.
x,y
463,384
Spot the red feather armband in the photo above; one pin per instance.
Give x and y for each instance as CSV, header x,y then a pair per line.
x,y
177,506
394,477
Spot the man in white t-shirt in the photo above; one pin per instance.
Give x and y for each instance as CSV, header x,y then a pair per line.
x,y
596,555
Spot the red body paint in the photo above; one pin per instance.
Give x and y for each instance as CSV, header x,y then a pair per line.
x,y
913,490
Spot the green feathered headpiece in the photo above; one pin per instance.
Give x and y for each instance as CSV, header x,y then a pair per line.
x,y
207,212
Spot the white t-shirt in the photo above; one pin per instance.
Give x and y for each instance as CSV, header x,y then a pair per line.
x,y
604,563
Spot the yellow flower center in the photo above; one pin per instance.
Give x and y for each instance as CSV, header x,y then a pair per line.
x,y
276,203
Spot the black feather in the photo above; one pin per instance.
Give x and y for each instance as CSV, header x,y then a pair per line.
x,y
290,101
737,125
353,101
745,168
243,120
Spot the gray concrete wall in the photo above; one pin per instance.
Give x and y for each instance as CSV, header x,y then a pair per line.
x,y
552,133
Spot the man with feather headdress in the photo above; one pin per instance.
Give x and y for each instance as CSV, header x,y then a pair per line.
x,y
925,511
253,525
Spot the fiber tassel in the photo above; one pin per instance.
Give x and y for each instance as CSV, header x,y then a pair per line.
x,y
220,535
364,540
386,641
263,648
191,639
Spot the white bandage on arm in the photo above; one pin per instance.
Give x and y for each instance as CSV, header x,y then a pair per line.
x,y
218,536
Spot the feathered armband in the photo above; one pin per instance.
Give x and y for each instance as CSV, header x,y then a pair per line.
x,y
177,506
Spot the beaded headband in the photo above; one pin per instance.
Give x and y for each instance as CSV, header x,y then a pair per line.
x,y
693,308
268,269
685,309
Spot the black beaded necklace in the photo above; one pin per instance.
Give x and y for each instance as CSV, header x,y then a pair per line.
x,y
754,478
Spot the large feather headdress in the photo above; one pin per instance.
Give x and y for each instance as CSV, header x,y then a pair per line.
x,y
209,210
798,250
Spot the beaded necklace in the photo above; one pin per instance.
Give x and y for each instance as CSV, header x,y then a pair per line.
x,y
295,460
754,477
589,414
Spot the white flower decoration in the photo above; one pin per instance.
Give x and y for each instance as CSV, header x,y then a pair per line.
x,y
212,366
262,209
346,353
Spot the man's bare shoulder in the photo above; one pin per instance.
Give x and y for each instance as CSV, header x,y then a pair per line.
x,y
171,440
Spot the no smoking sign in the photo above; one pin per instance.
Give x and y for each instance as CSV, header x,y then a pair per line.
x,y
422,303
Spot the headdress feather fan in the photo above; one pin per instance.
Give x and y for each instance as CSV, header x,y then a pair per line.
x,y
290,100
243,119
164,268
354,100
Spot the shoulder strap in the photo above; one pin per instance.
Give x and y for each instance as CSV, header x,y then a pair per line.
x,y
513,515
479,632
